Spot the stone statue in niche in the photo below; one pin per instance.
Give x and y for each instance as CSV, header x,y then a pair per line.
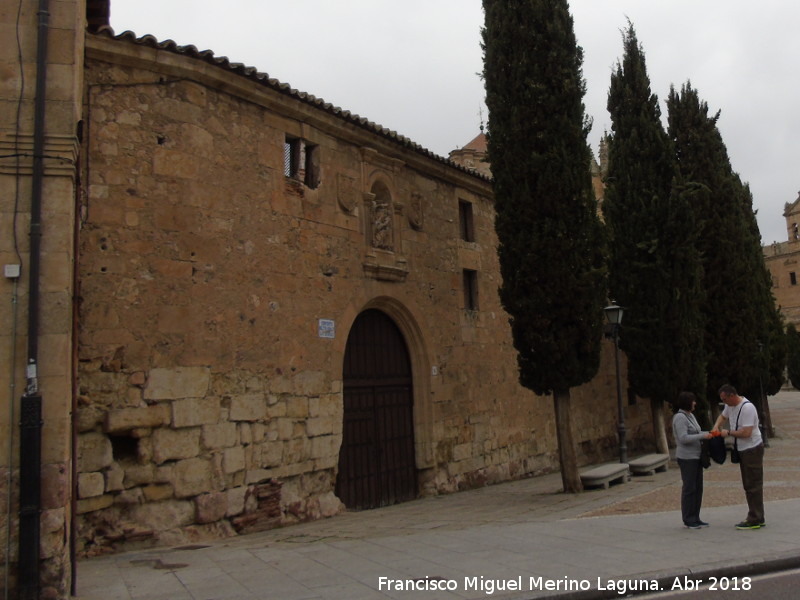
x,y
382,225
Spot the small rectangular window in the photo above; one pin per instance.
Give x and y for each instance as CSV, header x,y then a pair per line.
x,y
793,278
470,289
291,157
465,221
312,166
301,161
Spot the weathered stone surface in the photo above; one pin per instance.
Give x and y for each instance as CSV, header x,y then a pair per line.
x,y
53,525
195,411
91,484
55,485
129,497
115,477
330,505
219,435
88,417
211,507
192,477
176,383
94,452
157,491
270,454
236,498
171,444
233,460
163,516
297,407
92,504
125,419
248,407
139,474
310,383
319,426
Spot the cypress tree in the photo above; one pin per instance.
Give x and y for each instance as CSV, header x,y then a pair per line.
x,y
654,265
549,233
743,329
793,356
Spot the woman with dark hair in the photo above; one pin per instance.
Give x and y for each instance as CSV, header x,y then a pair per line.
x,y
688,436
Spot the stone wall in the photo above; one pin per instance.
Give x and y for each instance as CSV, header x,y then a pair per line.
x,y
50,375
783,261
209,403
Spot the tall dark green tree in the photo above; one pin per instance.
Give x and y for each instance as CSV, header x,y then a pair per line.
x,y
743,328
550,237
793,356
654,265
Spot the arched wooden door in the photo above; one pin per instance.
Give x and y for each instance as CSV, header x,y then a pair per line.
x,y
376,462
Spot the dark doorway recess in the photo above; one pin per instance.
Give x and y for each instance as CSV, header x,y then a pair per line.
x,y
376,462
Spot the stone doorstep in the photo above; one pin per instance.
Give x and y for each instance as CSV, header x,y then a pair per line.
x,y
604,475
649,464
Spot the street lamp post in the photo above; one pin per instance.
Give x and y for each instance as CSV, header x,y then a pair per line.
x,y
614,316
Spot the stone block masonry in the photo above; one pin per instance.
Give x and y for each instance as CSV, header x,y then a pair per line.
x,y
211,396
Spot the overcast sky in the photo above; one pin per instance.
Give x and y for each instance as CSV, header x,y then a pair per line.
x,y
413,65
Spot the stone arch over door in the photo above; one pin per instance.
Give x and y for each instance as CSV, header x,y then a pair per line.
x,y
377,465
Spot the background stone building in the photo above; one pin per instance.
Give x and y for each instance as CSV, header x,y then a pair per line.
x,y
783,261
257,308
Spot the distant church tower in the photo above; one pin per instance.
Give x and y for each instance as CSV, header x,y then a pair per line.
x,y
473,155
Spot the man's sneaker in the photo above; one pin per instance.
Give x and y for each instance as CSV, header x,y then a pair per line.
x,y
748,525
693,526
702,524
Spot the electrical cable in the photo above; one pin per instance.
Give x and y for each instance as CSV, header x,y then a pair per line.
x,y
12,380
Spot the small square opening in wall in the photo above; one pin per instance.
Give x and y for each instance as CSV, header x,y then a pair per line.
x,y
124,447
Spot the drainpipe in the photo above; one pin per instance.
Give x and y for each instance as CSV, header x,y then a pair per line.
x,y
30,501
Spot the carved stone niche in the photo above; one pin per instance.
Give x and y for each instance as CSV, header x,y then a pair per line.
x,y
346,193
382,230
416,215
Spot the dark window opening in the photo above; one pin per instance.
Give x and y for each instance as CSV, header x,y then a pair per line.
x,y
301,161
470,289
793,278
124,447
465,221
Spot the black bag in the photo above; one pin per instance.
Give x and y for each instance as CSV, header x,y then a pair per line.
x,y
717,449
705,454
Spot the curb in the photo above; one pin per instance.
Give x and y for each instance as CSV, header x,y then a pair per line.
x,y
757,566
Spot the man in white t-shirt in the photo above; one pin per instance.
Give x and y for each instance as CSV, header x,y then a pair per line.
x,y
742,419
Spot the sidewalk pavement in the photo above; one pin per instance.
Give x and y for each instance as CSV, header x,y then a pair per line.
x,y
515,541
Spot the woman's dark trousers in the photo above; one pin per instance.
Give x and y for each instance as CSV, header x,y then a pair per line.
x,y
692,492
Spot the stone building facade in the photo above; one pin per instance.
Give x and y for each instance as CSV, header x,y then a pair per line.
x,y
259,308
783,261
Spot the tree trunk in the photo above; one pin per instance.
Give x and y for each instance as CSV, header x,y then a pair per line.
x,y
659,427
768,418
570,477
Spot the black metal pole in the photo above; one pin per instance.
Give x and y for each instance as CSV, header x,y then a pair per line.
x,y
623,446
31,402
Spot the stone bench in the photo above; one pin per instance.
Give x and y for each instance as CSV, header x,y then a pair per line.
x,y
649,464
604,475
